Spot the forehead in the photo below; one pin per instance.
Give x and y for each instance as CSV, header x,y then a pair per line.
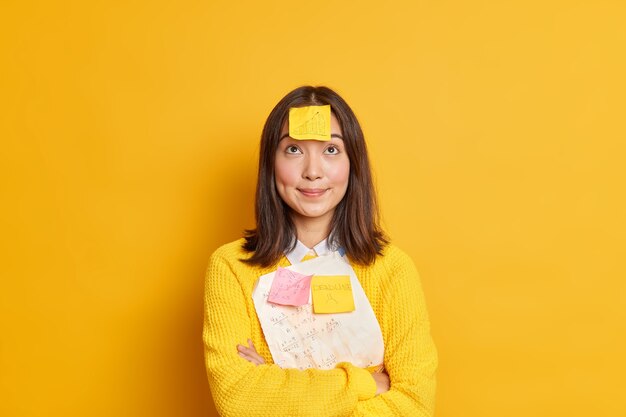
x,y
335,127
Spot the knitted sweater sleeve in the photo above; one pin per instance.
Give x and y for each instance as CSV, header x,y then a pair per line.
x,y
240,388
410,354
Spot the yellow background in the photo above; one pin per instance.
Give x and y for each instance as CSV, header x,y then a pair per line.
x,y
129,142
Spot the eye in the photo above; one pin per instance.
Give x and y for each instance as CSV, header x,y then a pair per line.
x,y
293,149
331,150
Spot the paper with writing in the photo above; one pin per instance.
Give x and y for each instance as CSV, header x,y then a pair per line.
x,y
290,288
299,338
310,122
332,294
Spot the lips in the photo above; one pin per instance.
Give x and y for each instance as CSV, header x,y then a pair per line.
x,y
312,192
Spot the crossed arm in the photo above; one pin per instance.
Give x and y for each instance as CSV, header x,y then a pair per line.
x,y
250,354
242,383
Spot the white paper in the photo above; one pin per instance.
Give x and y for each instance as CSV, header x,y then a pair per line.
x,y
299,338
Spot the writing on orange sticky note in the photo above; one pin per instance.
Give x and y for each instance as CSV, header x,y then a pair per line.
x,y
290,288
310,122
332,294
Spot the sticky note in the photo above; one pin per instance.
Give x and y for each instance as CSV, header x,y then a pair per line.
x,y
310,122
290,288
332,294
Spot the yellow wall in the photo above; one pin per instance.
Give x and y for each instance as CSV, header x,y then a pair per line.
x,y
129,134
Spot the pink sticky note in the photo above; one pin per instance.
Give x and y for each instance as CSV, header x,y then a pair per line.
x,y
290,288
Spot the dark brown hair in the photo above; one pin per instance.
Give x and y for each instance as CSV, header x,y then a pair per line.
x,y
355,224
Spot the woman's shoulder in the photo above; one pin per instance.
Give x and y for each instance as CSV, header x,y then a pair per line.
x,y
232,257
390,260
392,255
396,267
231,251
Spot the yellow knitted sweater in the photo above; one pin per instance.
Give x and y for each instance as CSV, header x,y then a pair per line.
x,y
241,389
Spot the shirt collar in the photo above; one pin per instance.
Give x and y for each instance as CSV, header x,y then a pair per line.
x,y
296,255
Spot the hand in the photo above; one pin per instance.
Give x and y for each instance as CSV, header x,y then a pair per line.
x,y
382,382
250,354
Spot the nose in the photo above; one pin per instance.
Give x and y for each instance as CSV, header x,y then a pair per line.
x,y
313,168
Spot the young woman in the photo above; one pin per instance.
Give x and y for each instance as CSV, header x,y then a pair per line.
x,y
315,198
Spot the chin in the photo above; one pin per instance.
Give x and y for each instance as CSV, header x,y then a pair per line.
x,y
313,214
310,215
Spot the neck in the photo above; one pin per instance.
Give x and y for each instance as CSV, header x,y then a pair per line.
x,y
311,231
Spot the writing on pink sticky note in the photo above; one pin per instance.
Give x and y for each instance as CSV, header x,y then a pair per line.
x,y
290,288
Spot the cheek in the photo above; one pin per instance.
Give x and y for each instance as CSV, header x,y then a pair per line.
x,y
340,173
284,174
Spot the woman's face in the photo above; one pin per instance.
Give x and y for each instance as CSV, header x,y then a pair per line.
x,y
312,175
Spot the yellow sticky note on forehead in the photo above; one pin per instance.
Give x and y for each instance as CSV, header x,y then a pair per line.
x,y
311,122
332,294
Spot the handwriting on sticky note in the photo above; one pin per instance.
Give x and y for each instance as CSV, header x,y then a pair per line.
x,y
310,122
290,288
332,294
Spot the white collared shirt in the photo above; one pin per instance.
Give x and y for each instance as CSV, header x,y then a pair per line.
x,y
300,251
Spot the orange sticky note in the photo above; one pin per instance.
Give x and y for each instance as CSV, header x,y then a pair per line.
x,y
290,288
332,294
310,122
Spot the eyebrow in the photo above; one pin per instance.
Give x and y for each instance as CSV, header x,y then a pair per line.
x,y
334,135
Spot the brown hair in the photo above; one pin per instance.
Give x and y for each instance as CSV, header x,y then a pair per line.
x,y
355,224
